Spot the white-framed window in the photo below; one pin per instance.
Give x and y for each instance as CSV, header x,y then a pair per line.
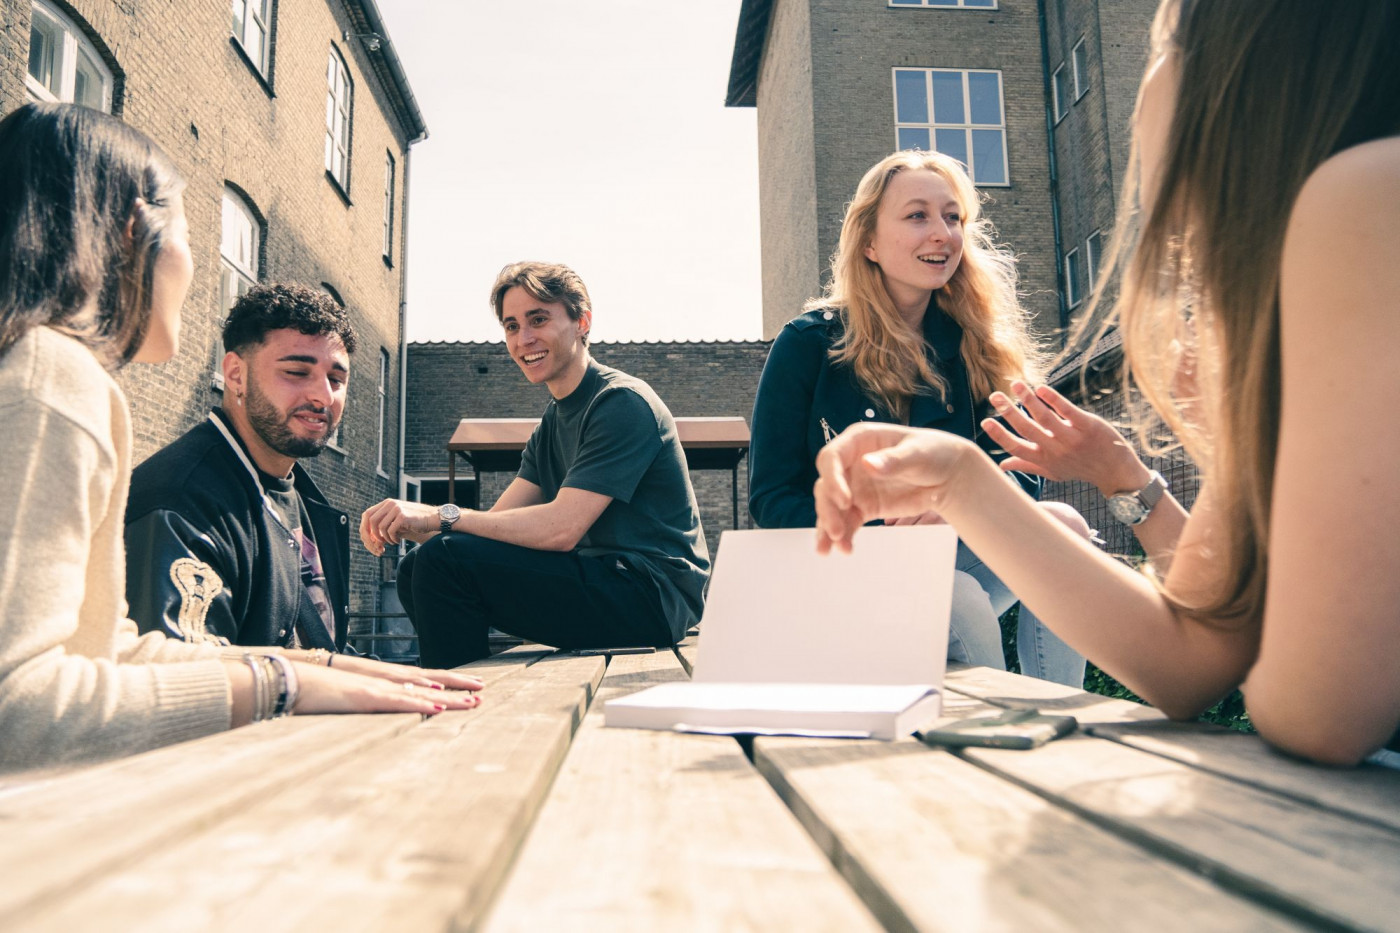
x,y
251,21
1093,255
1080,58
63,64
334,441
1073,287
957,113
240,259
1059,92
949,4
240,241
388,206
383,405
338,103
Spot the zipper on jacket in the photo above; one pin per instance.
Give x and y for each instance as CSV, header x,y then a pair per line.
x,y
827,433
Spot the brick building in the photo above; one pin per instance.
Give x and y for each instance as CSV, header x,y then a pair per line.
x,y
291,121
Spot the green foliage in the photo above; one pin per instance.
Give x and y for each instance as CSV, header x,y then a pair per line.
x,y
1229,712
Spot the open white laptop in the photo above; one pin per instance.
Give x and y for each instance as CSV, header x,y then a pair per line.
x,y
793,642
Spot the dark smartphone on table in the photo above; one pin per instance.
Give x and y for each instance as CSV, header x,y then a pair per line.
x,y
1016,728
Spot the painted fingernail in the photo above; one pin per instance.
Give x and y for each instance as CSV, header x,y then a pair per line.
x,y
435,686
439,707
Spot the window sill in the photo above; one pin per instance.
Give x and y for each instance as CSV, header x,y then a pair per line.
x,y
253,67
339,188
338,449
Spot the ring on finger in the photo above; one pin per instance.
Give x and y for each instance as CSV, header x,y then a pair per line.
x,y
409,687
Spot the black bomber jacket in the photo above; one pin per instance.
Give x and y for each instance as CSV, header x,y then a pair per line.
x,y
208,557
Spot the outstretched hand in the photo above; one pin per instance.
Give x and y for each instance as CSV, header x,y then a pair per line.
x,y
405,674
881,471
1058,440
329,690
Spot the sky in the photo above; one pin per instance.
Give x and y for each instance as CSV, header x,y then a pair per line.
x,y
587,132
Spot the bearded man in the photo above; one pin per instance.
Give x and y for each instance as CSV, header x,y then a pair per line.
x,y
228,539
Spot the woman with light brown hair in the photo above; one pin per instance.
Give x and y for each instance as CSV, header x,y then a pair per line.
x,y
919,324
1269,189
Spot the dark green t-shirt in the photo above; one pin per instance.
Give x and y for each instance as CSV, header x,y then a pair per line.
x,y
614,436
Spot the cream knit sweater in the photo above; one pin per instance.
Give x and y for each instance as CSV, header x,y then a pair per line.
x,y
76,681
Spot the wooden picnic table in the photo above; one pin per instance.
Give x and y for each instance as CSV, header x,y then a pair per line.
x,y
528,814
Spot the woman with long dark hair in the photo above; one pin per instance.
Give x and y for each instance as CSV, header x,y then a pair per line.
x,y
94,267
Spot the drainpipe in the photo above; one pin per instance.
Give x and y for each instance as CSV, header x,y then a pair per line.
x,y
403,319
1054,170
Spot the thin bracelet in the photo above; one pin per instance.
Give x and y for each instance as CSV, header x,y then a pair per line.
x,y
259,684
318,656
289,686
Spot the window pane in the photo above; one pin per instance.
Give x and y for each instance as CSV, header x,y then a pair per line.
x,y
253,43
984,95
913,137
953,143
1058,92
1072,278
942,2
948,97
1081,71
981,4
42,48
989,163
237,13
911,97
904,2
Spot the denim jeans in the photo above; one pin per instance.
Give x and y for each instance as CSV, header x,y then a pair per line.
x,y
974,631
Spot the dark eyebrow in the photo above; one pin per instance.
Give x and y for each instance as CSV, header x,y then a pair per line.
x,y
310,361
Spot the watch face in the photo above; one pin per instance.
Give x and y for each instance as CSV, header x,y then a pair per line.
x,y
1127,509
449,513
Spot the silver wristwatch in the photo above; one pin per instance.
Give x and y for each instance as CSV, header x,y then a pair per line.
x,y
1132,508
447,515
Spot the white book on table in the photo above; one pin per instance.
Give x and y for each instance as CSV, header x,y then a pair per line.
x,y
795,643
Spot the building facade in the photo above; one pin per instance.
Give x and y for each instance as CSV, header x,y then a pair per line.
x,y
291,121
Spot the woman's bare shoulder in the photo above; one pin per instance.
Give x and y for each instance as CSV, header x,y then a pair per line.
x,y
1361,179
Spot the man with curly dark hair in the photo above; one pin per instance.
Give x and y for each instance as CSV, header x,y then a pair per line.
x,y
227,537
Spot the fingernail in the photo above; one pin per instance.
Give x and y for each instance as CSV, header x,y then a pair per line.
x,y
435,686
439,707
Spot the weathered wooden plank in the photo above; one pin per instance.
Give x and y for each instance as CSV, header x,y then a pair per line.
x,y
506,664
1369,792
653,830
1324,867
408,835
60,833
1014,691
931,842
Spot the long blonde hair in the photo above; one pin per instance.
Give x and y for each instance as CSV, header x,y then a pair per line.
x,y
1268,90
886,355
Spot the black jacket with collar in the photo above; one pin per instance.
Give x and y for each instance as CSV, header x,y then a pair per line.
x,y
805,399
209,559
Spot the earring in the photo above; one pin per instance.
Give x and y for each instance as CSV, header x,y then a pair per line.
x,y
240,399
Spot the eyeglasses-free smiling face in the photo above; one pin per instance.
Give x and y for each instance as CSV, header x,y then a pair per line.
x,y
544,341
918,239
296,391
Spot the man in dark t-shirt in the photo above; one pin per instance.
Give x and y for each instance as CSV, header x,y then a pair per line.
x,y
596,543
228,540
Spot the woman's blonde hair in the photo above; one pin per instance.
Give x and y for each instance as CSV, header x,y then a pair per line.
x,y
1268,90
886,355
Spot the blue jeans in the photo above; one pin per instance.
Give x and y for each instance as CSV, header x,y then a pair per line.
x,y
974,631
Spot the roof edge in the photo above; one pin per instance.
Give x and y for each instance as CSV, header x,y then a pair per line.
x,y
749,39
391,71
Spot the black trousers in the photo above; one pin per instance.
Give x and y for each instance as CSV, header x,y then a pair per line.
x,y
457,586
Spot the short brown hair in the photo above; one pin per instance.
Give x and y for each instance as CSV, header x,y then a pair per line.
x,y
550,282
